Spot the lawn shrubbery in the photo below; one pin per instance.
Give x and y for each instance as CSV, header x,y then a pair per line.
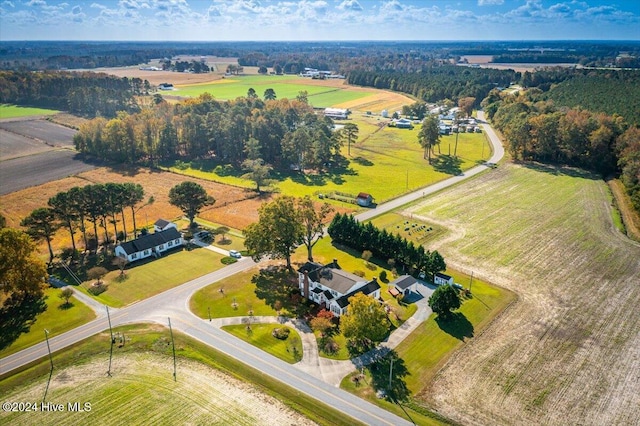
x,y
281,333
228,260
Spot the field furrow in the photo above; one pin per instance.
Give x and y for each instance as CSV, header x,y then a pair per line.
x,y
568,351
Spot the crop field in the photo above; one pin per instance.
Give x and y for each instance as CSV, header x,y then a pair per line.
x,y
15,111
568,350
230,201
141,390
284,86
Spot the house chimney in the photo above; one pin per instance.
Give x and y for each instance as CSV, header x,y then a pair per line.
x,y
335,264
305,287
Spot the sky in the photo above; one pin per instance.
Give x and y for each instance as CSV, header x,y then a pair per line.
x,y
236,20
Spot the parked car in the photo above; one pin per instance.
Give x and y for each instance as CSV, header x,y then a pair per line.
x,y
235,253
203,235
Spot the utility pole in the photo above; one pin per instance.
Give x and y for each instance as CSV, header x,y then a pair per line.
x,y
390,373
46,337
112,342
173,345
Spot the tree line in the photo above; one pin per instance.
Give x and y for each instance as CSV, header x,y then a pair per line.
x,y
345,229
83,208
279,132
84,93
436,83
538,130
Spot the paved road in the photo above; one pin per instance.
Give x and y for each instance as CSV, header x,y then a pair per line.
x,y
174,303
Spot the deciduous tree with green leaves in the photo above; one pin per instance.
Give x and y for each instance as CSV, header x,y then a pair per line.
x,y
443,300
312,220
190,197
365,323
278,231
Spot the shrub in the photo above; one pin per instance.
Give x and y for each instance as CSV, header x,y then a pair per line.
x,y
281,333
330,346
358,273
228,260
383,276
98,289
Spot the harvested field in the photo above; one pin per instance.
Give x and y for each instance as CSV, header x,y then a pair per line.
x,y
569,351
24,173
41,130
142,391
233,205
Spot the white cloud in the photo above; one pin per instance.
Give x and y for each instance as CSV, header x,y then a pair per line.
x,y
490,2
36,3
8,4
352,5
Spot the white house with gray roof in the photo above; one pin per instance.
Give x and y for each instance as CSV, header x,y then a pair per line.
x,y
149,245
331,287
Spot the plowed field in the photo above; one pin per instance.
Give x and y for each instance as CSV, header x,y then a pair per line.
x,y
568,352
142,391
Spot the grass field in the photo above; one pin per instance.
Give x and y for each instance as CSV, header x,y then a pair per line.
x,y
567,350
15,111
237,288
319,96
57,319
146,279
385,162
211,388
289,350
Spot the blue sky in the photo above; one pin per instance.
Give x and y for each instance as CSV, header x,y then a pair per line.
x,y
217,20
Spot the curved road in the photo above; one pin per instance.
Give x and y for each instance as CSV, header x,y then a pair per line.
x,y
174,304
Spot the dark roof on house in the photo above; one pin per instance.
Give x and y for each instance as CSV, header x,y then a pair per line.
x,y
161,223
330,276
367,289
328,295
443,276
403,282
148,241
364,195
316,290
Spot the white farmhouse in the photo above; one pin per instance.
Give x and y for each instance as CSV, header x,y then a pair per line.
x,y
149,245
331,287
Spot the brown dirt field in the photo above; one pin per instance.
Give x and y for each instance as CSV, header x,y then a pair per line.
x,y
143,387
568,352
234,206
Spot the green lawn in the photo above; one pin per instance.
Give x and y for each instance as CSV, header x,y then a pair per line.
x,y
237,288
385,162
57,319
146,279
259,335
425,350
13,111
284,86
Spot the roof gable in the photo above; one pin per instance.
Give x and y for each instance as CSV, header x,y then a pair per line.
x,y
367,289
